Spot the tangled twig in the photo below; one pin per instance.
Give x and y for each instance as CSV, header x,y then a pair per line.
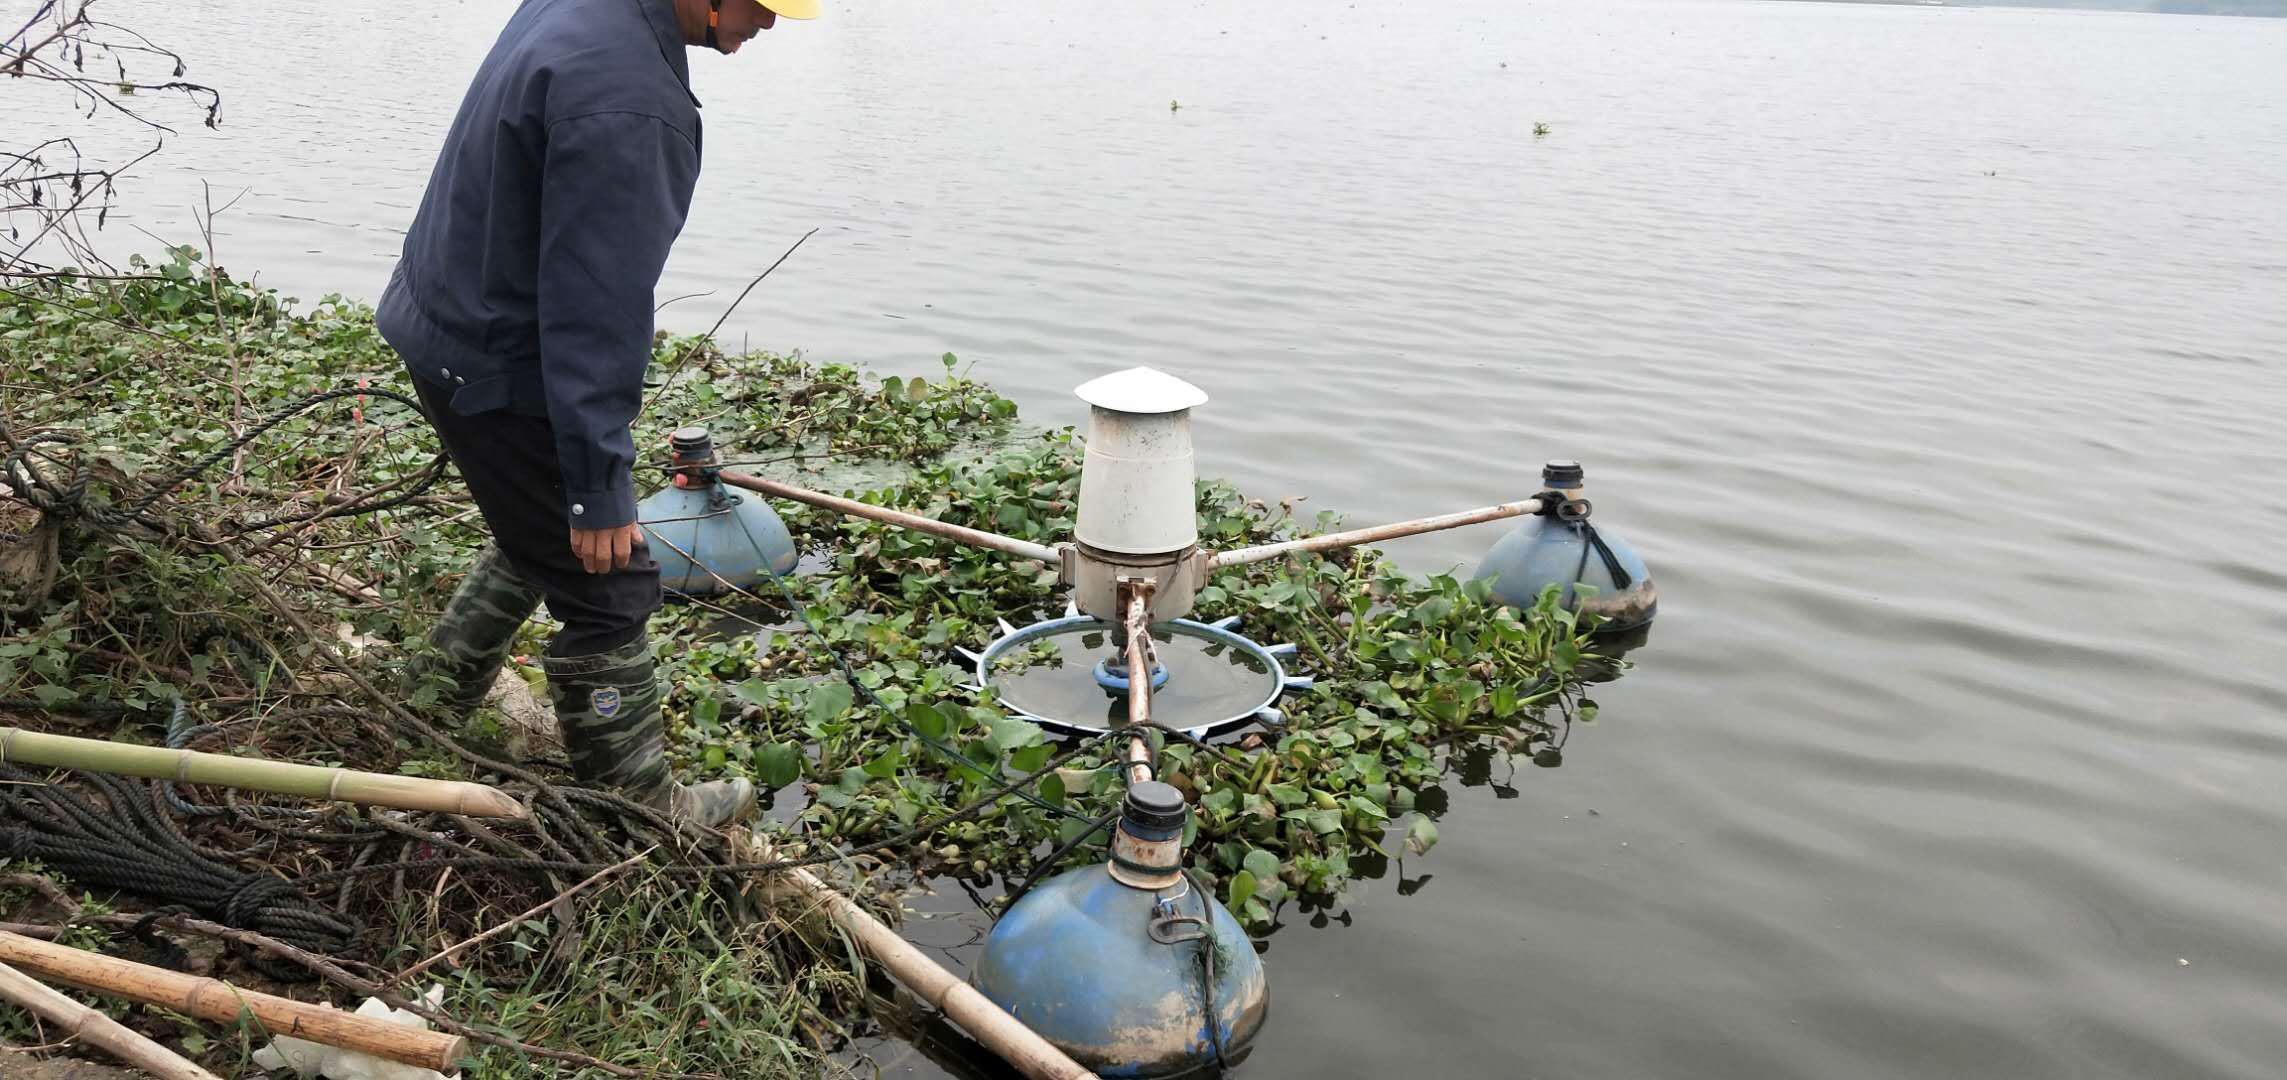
x,y
51,182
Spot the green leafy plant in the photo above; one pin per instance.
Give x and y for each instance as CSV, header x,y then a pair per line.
x,y
148,373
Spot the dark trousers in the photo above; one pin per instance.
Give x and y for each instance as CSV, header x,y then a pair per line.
x,y
510,464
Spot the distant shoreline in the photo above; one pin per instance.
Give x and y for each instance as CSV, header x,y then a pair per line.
x,y
2255,9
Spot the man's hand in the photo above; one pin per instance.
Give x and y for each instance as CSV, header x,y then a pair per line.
x,y
602,551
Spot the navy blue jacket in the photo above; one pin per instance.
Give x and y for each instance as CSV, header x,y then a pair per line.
x,y
527,278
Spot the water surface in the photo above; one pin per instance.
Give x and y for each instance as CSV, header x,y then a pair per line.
x,y
1934,358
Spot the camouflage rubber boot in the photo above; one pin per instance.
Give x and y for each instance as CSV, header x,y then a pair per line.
x,y
608,707
471,638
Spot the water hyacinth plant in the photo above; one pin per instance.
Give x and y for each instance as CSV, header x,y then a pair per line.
x,y
1407,668
1413,674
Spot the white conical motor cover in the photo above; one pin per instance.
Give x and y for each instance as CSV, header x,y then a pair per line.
x,y
1137,480
1142,391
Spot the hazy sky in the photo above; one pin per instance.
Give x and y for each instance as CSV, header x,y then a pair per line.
x,y
2273,8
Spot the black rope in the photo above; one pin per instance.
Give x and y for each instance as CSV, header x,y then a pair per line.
x,y
364,504
70,496
1621,579
129,845
34,488
221,453
105,710
180,734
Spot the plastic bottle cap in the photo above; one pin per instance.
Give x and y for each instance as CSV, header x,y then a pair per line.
x,y
693,441
1155,805
1562,474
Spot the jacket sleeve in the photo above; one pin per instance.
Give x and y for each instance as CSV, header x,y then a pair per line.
x,y
614,190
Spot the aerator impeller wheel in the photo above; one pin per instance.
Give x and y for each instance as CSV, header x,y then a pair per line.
x,y
1273,680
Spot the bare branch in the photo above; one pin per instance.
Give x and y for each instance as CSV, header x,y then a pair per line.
x,y
50,191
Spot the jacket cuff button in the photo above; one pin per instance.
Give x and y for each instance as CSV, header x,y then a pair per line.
x,y
444,373
578,509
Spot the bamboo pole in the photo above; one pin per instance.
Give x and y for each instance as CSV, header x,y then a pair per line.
x,y
961,1003
215,1000
86,1023
899,518
1355,537
20,747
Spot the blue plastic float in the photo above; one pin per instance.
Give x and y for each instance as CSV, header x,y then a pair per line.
x,y
706,538
1597,571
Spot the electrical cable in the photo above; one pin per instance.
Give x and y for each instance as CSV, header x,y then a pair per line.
x,y
850,675
1041,868
1207,967
46,496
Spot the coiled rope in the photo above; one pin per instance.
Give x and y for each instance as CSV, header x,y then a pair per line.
x,y
138,849
128,844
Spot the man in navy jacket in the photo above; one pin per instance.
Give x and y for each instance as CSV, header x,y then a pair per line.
x,y
522,307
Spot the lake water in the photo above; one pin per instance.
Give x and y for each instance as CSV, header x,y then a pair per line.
x,y
1934,357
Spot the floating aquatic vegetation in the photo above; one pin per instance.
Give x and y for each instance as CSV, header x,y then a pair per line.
x,y
153,372
1406,667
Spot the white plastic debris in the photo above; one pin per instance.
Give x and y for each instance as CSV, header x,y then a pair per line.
x,y
309,1059
357,642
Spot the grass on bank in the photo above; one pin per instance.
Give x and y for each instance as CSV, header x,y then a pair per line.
x,y
149,374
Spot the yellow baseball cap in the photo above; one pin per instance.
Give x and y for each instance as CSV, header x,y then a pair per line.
x,y
791,9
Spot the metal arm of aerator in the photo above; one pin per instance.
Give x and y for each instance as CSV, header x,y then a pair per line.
x,y
899,518
1355,537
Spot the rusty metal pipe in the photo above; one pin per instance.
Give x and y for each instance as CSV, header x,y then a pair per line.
x,y
1355,537
1139,682
901,519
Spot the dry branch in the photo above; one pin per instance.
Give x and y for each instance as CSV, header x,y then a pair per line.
x,y
96,1028
51,182
218,1001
